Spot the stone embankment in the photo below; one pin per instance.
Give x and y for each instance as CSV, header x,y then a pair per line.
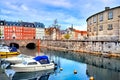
x,y
107,49
105,58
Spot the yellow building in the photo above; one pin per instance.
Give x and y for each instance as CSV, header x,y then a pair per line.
x,y
104,25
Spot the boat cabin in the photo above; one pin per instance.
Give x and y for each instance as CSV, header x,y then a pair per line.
x,y
42,59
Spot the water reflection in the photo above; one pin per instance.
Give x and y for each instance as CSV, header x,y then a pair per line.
x,y
39,75
102,74
97,72
69,61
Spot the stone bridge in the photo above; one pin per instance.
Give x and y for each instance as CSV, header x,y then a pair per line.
x,y
30,43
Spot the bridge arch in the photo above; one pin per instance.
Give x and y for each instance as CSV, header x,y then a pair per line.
x,y
31,46
14,44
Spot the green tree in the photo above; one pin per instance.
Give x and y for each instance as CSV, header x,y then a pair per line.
x,y
67,36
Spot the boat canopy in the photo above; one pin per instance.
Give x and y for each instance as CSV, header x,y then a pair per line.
x,y
42,59
13,49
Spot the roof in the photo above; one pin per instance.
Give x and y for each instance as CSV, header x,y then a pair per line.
x,y
27,24
10,23
39,25
2,22
83,32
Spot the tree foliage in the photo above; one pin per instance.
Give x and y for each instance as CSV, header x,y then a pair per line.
x,y
0,32
67,36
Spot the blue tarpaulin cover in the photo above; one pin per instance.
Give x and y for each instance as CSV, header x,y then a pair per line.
x,y
13,49
38,58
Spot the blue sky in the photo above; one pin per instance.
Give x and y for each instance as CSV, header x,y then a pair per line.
x,y
66,12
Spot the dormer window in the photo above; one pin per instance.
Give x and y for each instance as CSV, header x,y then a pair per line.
x,y
1,23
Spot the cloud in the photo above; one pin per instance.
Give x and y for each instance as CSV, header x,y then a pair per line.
x,y
11,6
57,3
24,7
107,1
15,6
82,28
3,11
67,12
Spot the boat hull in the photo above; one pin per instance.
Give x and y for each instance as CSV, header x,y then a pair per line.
x,y
9,53
32,68
14,61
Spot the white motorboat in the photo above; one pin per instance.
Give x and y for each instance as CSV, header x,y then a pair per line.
x,y
39,63
17,59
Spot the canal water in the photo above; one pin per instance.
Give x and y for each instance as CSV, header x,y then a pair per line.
x,y
67,64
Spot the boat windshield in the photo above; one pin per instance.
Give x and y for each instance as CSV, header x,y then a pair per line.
x,y
25,63
43,61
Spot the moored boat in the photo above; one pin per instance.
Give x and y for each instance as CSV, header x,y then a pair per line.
x,y
17,59
39,63
5,50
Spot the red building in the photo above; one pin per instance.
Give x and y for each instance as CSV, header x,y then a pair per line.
x,y
19,30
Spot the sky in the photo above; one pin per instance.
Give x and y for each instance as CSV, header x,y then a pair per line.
x,y
67,12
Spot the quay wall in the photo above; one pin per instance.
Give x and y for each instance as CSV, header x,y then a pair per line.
x,y
86,46
89,52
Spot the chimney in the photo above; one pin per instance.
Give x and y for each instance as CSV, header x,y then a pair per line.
x,y
107,8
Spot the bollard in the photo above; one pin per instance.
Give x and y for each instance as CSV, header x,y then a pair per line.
x,y
91,78
75,72
61,69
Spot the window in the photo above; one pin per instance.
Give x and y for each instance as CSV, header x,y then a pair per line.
x,y
90,22
110,27
32,63
1,23
44,61
101,17
89,29
110,15
13,37
94,19
100,27
95,29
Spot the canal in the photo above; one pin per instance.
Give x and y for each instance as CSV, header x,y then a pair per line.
x,y
67,64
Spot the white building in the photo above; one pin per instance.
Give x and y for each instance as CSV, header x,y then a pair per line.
x,y
104,25
40,30
2,29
